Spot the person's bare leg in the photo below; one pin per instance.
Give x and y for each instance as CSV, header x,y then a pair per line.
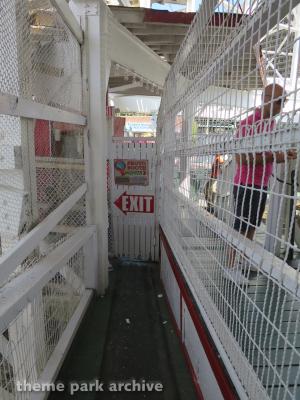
x,y
231,257
249,235
232,253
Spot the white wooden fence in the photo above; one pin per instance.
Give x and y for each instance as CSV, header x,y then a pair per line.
x,y
133,225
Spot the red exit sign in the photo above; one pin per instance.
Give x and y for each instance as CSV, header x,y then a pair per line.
x,y
135,203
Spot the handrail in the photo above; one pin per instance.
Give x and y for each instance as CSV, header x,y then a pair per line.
x,y
15,295
10,260
20,107
69,18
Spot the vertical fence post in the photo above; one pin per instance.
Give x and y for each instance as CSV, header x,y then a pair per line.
x,y
95,69
91,262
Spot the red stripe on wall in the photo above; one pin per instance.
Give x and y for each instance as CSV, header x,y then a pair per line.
x,y
224,382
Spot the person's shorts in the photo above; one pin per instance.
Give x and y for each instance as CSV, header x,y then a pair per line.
x,y
249,206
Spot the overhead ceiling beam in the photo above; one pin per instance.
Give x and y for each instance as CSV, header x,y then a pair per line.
x,y
162,39
127,50
128,15
153,25
68,17
120,89
134,25
162,52
165,48
160,30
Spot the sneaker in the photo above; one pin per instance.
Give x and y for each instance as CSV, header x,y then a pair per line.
x,y
236,275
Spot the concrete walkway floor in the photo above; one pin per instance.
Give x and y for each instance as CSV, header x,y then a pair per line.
x,y
127,337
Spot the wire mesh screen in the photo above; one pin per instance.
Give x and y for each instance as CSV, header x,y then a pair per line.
x,y
41,165
229,149
30,339
41,162
39,57
59,168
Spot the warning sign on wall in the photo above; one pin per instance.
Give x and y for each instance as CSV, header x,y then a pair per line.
x,y
131,172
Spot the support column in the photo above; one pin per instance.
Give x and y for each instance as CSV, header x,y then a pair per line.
x,y
94,22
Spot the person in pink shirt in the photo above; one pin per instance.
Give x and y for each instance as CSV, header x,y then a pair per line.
x,y
253,170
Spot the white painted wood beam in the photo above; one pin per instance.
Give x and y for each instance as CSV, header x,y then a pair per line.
x,y
165,39
67,15
61,350
134,16
120,89
24,288
10,260
19,107
126,49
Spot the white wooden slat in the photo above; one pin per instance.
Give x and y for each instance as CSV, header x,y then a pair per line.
x,y
4,349
115,234
22,342
55,361
142,149
156,258
19,107
121,236
152,247
126,236
16,294
150,220
136,231
10,260
148,241
136,238
144,245
131,241
68,17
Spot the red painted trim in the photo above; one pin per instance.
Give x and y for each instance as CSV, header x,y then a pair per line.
x,y
166,17
199,393
222,378
161,16
180,312
226,20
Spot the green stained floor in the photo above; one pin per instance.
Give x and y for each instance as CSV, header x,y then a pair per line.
x,y
126,335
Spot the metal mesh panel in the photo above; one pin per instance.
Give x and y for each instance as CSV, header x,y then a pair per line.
x,y
41,162
15,197
41,165
39,57
59,167
229,149
30,339
54,239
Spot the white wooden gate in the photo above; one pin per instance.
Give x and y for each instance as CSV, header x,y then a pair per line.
x,y
133,228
